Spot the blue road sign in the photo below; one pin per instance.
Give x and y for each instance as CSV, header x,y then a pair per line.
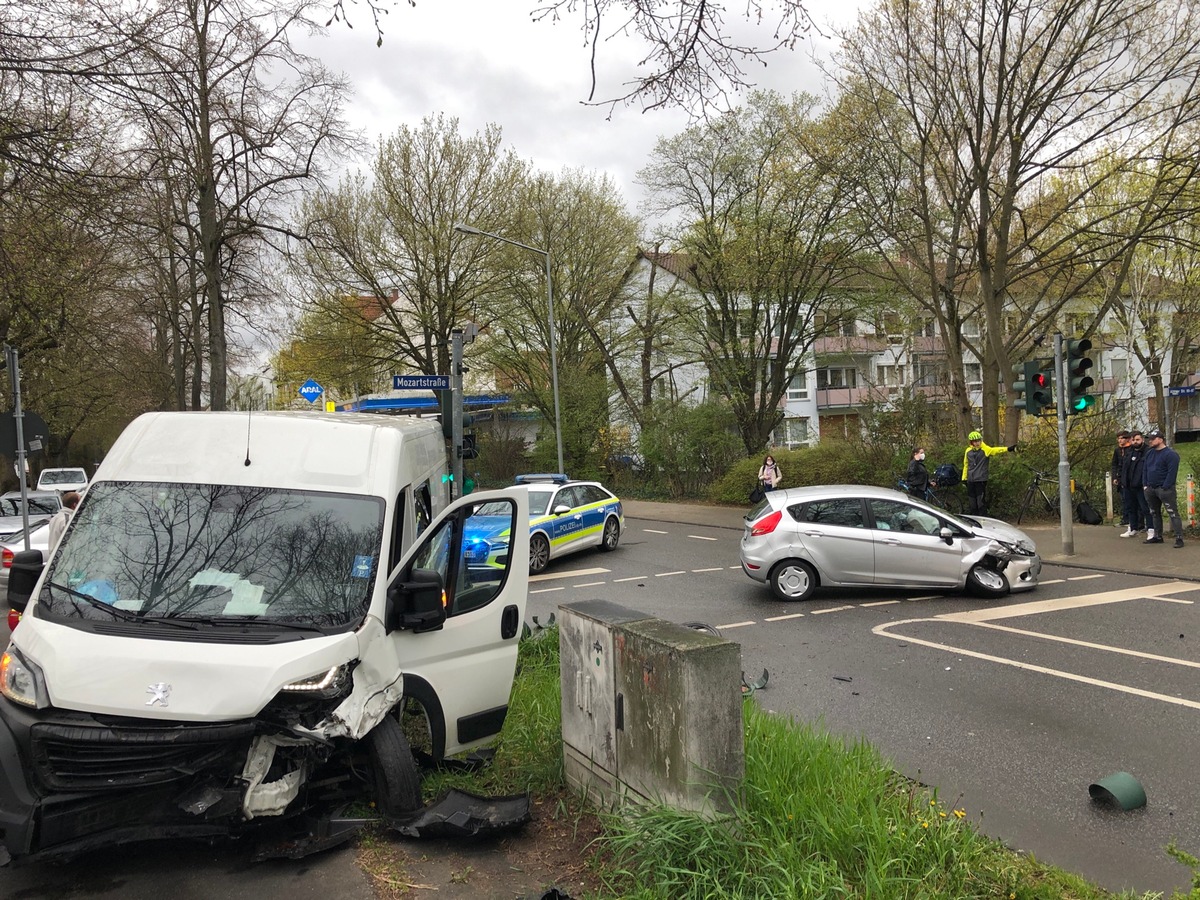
x,y
1187,390
310,390
421,382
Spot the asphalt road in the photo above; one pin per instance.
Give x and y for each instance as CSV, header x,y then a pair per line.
x,y
1008,709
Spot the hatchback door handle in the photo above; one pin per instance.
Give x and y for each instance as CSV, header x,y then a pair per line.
x,y
892,541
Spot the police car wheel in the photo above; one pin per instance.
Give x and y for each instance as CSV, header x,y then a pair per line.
x,y
612,534
539,553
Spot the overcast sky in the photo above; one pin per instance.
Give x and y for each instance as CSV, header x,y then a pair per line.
x,y
486,61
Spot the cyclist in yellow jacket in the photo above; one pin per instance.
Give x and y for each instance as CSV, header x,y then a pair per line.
x,y
975,471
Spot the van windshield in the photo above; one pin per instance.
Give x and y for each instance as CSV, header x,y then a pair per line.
x,y
217,553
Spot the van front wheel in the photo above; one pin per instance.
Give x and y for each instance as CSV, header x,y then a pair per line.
x,y
396,781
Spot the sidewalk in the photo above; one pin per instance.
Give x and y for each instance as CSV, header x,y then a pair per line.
x,y
1096,546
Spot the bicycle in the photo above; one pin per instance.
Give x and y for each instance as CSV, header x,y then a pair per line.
x,y
1036,491
946,499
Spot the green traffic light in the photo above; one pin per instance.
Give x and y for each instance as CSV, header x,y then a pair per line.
x,y
1084,403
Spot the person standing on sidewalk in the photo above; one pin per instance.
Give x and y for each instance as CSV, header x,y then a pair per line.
x,y
1132,478
975,471
769,474
1117,471
917,476
1159,473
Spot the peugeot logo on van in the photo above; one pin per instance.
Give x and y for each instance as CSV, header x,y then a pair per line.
x,y
160,691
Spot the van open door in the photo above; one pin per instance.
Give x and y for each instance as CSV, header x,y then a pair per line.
x,y
454,615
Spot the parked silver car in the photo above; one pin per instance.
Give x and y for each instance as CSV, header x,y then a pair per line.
x,y
799,539
41,504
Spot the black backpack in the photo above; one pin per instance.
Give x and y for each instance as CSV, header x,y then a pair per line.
x,y
1086,513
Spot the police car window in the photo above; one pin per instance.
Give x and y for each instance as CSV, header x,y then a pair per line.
x,y
844,511
568,496
590,493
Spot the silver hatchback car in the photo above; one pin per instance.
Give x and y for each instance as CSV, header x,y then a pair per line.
x,y
799,539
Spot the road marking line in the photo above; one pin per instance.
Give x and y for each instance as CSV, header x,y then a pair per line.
x,y
1085,577
702,537
654,531
927,597
736,625
1029,667
736,568
547,590
573,573
817,612
717,569
589,584
782,618
1053,581
634,578
880,603
1172,600
1093,646
665,574
1154,592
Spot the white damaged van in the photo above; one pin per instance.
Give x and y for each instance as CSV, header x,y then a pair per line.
x,y
242,609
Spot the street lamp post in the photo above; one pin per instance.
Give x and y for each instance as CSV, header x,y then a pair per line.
x,y
467,229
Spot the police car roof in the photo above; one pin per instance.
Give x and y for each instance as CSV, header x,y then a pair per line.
x,y
542,478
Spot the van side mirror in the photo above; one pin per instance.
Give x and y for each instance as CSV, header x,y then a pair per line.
x,y
26,569
416,605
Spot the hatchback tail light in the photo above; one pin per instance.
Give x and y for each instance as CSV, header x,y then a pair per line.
x,y
13,618
767,524
7,556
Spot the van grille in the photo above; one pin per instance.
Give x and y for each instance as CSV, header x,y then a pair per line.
x,y
90,757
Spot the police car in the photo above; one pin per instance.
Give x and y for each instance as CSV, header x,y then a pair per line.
x,y
565,516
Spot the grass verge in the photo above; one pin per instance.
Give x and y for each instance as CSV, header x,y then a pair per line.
x,y
819,817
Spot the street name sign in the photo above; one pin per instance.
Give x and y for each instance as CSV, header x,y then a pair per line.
x,y
420,382
1187,390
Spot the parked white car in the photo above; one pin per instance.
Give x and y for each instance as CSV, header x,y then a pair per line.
x,y
62,480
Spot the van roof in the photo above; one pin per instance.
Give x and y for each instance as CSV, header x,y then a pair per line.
x,y
311,450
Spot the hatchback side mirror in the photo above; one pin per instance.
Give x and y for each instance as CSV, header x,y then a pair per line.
x,y
417,604
947,535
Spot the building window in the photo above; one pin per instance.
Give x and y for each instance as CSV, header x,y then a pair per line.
x,y
973,373
837,378
926,328
1120,368
795,432
890,376
970,327
929,374
798,387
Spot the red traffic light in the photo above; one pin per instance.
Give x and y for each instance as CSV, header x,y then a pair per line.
x,y
1040,380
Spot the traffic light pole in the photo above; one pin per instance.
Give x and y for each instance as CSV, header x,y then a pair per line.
x,y
1064,465
456,412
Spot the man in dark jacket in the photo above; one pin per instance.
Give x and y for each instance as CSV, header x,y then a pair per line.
x,y
1135,494
1159,472
1119,484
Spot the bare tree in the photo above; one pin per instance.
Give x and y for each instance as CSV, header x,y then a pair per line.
x,y
391,238
765,193
1001,117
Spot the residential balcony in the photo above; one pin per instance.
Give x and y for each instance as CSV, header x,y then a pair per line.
x,y
849,398
856,345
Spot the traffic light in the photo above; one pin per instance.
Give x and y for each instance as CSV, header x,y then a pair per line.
x,y
1034,386
1079,379
469,450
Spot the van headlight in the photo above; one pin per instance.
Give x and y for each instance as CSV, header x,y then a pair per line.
x,y
22,682
324,685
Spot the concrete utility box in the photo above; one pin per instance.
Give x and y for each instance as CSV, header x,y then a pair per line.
x,y
650,710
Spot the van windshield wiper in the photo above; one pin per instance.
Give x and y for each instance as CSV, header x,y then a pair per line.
x,y
226,622
116,612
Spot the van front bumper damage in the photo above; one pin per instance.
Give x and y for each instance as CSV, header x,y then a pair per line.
x,y
74,782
